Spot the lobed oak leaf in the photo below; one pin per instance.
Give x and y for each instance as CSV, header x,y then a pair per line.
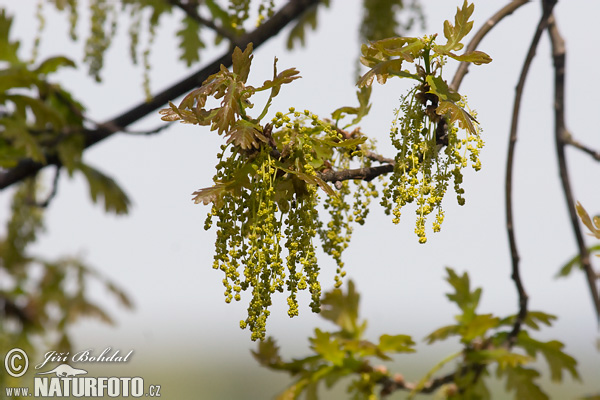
x,y
246,135
553,353
329,349
521,380
396,343
458,114
190,42
382,71
211,194
282,78
241,62
407,48
267,353
101,185
440,88
592,224
476,57
462,26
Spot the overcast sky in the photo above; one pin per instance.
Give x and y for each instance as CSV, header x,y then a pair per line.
x,y
162,256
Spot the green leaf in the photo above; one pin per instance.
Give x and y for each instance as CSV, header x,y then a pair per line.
x,y
521,380
190,42
213,194
267,353
297,33
592,225
457,114
502,356
8,49
101,185
462,26
396,343
463,297
575,262
476,57
478,326
241,62
532,319
69,151
346,144
330,349
442,333
552,351
342,309
279,79
440,88
407,48
310,179
246,135
382,71
16,131
52,64
363,95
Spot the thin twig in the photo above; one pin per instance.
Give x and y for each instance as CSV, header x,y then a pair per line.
x,y
561,136
516,274
490,23
568,139
154,131
54,191
192,12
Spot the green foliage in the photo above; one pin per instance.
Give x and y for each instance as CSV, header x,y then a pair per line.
x,y
44,297
265,194
484,341
429,118
190,41
308,19
593,224
337,354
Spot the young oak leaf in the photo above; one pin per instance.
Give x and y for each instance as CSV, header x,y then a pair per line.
x,y
458,114
282,78
340,308
190,42
246,135
592,225
211,194
553,353
330,349
267,353
407,48
463,297
241,62
521,380
440,88
382,71
396,344
462,26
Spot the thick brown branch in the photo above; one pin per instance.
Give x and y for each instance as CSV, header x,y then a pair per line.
x,y
516,274
490,23
292,10
561,136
